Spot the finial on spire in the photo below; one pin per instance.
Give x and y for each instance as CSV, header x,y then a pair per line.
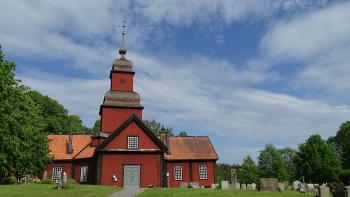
x,y
122,50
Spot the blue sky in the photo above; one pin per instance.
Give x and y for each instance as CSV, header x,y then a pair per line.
x,y
244,72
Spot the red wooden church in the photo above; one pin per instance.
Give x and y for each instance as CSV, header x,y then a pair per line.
x,y
126,153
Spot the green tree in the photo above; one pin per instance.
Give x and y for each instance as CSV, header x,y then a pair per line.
x,y
75,125
23,144
56,118
223,170
341,143
271,164
248,172
156,127
183,134
96,127
317,161
288,156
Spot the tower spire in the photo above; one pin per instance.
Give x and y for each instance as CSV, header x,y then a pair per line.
x,y
122,50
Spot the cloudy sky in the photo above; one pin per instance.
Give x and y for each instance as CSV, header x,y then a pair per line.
x,y
244,72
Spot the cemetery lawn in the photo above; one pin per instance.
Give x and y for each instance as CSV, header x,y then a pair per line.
x,y
41,190
217,193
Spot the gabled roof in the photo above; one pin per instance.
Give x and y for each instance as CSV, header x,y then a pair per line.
x,y
191,148
131,119
58,146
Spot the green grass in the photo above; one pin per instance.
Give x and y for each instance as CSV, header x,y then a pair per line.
x,y
48,190
218,192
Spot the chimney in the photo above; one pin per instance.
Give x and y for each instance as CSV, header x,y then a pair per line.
x,y
163,135
70,144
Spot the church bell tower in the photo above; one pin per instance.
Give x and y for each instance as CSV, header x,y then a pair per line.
x,y
120,102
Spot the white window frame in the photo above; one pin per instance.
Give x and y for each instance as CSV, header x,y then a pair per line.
x,y
83,173
203,172
56,171
133,142
178,173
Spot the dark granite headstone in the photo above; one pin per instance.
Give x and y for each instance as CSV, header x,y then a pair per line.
x,y
338,190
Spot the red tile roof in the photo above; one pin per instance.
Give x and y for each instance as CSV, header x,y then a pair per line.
x,y
191,148
58,146
87,152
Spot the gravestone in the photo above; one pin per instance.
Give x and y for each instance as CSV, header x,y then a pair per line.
x,y
213,186
339,190
243,186
183,185
323,191
309,188
302,187
253,186
238,186
286,184
64,179
347,191
296,185
249,186
281,187
194,185
59,182
224,185
268,184
234,177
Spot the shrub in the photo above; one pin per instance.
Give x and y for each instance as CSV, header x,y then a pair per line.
x,y
47,181
9,180
71,184
12,180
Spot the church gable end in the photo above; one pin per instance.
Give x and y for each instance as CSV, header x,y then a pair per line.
x,y
132,135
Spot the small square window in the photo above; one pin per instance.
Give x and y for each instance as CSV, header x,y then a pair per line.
x,y
203,172
83,173
177,173
133,142
56,172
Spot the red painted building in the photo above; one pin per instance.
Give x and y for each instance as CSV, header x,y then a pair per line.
x,y
126,153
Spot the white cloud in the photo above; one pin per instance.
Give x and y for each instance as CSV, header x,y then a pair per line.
x,y
185,12
320,41
311,35
42,24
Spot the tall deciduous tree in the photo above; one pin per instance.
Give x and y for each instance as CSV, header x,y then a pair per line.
x,y
288,156
56,117
183,134
271,164
341,142
23,144
248,172
97,125
156,127
317,161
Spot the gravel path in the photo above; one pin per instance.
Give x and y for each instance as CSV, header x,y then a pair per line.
x,y
129,192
